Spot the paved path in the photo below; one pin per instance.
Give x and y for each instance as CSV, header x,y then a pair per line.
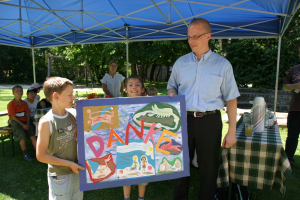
x,y
25,86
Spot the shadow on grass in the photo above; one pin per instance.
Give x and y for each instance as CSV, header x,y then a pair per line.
x,y
22,179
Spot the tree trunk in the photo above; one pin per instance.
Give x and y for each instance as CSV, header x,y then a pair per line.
x,y
152,71
168,73
159,69
44,65
223,44
102,65
89,67
86,73
133,68
61,68
142,69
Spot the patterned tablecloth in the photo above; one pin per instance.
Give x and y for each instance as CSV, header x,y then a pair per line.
x,y
38,114
259,161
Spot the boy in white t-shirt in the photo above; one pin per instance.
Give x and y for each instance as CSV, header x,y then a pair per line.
x,y
38,87
31,101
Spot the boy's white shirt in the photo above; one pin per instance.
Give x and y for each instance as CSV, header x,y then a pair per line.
x,y
32,106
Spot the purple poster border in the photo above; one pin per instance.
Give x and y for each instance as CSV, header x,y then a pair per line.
x,y
84,186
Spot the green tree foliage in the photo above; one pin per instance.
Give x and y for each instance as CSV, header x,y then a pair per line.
x,y
15,67
156,54
254,61
16,64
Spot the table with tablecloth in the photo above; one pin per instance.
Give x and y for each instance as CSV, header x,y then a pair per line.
x,y
38,114
258,161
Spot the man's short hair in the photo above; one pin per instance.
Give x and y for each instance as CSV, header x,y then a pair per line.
x,y
17,86
203,22
55,84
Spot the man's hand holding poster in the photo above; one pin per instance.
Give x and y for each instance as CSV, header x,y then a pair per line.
x,y
126,141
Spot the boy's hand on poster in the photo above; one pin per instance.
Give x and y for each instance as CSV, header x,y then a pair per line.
x,y
80,99
75,168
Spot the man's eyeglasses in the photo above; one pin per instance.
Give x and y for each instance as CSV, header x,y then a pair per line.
x,y
194,37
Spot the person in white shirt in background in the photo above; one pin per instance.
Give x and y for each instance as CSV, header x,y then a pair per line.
x,y
38,87
113,82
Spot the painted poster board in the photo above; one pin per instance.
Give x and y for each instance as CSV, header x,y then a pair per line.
x,y
127,141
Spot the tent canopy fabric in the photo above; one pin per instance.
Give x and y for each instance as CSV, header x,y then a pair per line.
x,y
45,23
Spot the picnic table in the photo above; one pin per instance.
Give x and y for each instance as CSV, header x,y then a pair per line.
x,y
258,161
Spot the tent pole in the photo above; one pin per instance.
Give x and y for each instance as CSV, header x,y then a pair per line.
x,y
49,66
277,73
127,49
33,65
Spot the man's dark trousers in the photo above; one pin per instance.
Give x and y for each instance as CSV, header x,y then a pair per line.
x,y
204,134
293,134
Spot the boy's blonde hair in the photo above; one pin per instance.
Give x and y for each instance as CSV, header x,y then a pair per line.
x,y
16,86
152,89
55,84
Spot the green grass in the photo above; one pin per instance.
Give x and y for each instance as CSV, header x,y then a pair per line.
x,y
20,179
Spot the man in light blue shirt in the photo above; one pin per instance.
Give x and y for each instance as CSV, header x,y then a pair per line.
x,y
206,79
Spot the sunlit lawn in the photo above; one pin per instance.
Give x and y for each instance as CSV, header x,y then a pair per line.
x,y
20,179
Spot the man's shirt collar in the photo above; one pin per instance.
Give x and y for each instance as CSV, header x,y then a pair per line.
x,y
204,57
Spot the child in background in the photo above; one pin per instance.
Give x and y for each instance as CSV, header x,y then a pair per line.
x,y
18,112
38,88
144,94
134,87
57,141
76,95
152,91
31,101
44,103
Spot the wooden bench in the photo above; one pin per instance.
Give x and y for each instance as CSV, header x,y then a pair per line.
x,y
3,113
6,132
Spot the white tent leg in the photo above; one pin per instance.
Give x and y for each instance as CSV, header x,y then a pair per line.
x,y
33,65
277,72
49,66
127,62
127,49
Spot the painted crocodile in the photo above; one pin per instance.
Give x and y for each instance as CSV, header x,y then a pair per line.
x,y
164,115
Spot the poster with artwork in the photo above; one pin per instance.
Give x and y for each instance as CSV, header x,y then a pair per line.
x,y
127,141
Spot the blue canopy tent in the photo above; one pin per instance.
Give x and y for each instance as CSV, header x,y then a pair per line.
x,y
45,23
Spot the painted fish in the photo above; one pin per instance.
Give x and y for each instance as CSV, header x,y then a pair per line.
x,y
169,146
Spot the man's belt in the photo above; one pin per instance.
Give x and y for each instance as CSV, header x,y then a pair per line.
x,y
200,114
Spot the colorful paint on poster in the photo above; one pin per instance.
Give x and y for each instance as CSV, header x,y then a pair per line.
x,y
130,143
